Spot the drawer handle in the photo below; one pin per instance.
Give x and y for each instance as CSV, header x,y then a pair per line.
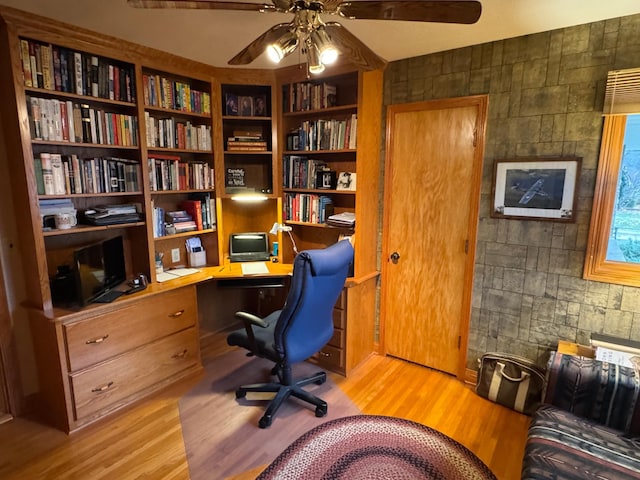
x,y
182,354
177,314
103,388
97,340
324,354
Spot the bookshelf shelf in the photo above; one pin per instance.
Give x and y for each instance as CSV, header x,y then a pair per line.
x,y
176,192
320,152
80,98
322,111
318,225
181,113
178,150
81,229
90,195
85,145
319,191
238,118
183,234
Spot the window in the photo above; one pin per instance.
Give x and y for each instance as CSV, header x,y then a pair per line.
x,y
613,250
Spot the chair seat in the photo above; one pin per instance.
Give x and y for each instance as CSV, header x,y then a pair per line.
x,y
263,337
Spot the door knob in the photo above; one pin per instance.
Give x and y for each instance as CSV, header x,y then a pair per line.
x,y
395,256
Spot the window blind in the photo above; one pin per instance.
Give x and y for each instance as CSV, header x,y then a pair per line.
x,y
622,95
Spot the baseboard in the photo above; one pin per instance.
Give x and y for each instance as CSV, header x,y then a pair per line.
x,y
470,377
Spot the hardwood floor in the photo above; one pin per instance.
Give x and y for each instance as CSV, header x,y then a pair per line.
x,y
146,441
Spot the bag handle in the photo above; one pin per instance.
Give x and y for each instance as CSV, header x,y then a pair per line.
x,y
500,367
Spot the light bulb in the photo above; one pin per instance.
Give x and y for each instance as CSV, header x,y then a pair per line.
x,y
282,47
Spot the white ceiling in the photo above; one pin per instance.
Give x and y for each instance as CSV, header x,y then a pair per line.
x,y
213,37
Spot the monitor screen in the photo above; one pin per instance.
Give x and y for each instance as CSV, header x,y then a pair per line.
x,y
248,247
99,266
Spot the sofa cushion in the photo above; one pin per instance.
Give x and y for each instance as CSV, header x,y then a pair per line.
x,y
603,392
561,445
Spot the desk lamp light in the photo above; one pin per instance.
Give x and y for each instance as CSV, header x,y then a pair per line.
x,y
279,227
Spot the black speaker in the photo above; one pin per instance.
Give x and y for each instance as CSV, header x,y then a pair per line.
x,y
64,287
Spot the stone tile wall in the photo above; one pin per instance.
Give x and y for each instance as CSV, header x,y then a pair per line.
x,y
545,99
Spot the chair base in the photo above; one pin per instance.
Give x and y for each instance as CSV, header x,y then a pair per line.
x,y
285,391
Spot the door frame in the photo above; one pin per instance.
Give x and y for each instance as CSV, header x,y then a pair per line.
x,y
481,103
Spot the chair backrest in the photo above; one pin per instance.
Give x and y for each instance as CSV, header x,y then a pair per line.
x,y
306,321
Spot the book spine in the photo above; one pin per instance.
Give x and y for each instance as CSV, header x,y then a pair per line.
x,y
26,63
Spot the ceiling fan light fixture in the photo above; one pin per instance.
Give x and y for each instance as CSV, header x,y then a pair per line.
x,y
327,51
314,65
282,47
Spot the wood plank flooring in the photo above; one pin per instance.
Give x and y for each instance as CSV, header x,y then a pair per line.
x,y
146,440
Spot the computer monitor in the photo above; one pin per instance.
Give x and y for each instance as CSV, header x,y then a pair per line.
x,y
248,247
99,267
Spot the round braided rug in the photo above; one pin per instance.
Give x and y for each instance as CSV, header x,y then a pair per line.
x,y
376,447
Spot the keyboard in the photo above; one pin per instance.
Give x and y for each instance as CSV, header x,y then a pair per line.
x,y
108,296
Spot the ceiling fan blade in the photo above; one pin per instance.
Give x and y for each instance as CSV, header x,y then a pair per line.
x,y
204,4
440,11
350,46
258,46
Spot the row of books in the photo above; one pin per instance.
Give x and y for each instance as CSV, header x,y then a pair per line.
x,y
58,174
172,133
172,173
66,121
304,96
196,213
324,135
305,207
64,70
301,172
163,92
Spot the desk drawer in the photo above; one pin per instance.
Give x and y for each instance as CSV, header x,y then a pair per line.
x,y
100,387
338,338
99,338
330,357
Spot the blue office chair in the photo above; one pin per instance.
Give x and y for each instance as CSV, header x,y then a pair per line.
x,y
300,329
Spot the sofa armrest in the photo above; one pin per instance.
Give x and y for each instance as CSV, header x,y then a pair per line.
x,y
603,392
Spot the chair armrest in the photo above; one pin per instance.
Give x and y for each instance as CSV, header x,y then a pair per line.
x,y
249,318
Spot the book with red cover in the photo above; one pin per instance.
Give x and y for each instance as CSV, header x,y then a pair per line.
x,y
194,208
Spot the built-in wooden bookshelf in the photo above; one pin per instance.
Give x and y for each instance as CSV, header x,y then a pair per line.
x,y
330,126
178,122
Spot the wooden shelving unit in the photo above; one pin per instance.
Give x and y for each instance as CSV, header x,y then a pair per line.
x,y
355,95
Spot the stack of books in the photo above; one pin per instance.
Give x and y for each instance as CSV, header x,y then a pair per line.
x,y
179,221
112,214
344,220
246,141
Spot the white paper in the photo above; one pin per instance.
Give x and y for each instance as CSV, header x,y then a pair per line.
x,y
254,268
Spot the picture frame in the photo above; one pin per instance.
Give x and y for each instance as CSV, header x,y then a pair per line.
x,y
231,104
260,106
235,177
325,180
245,106
346,181
536,188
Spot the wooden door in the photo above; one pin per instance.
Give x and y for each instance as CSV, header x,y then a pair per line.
x,y
432,186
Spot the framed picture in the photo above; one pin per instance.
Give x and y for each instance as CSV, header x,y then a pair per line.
x,y
235,178
325,179
260,106
231,104
245,106
346,181
536,188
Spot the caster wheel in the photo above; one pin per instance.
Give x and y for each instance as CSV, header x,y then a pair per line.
x,y
240,393
264,422
321,380
321,411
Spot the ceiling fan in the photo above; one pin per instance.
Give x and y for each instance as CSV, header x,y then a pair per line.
x,y
321,41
